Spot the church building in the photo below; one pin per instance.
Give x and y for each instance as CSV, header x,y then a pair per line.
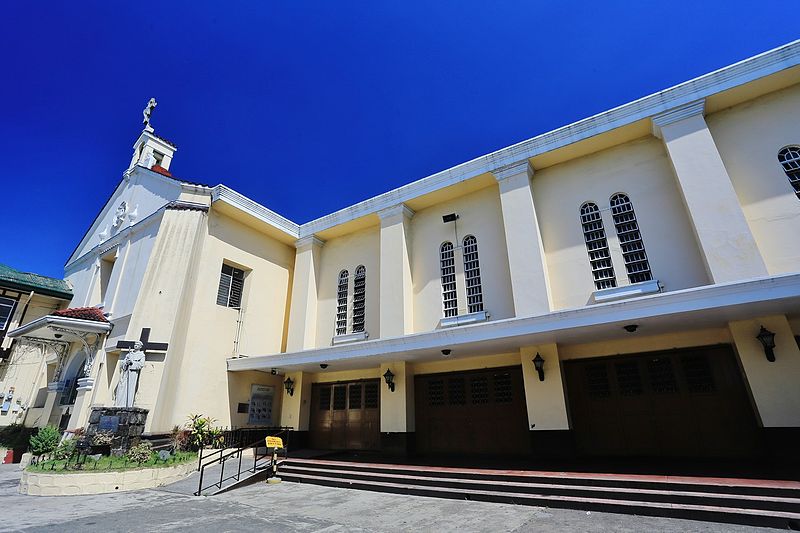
x,y
626,285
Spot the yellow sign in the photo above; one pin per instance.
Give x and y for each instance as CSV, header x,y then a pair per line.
x,y
274,442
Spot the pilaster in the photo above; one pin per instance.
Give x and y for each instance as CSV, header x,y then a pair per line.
x,y
296,409
773,384
396,289
729,250
526,257
546,401
397,407
303,311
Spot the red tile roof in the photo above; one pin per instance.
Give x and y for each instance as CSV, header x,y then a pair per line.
x,y
161,170
84,313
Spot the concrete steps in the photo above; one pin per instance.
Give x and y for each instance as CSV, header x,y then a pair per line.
x,y
739,501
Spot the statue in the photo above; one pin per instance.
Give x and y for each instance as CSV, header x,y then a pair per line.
x,y
148,110
129,376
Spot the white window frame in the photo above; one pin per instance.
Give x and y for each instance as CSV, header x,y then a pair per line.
x,y
789,158
447,271
472,275
11,304
226,287
637,264
359,299
594,236
342,289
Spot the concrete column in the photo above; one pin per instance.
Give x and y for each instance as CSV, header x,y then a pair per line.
x,y
303,311
547,405
526,258
296,409
397,408
773,385
729,250
396,290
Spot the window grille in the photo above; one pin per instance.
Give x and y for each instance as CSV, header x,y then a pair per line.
x,y
231,285
359,298
341,303
6,310
472,275
594,234
789,158
630,239
448,268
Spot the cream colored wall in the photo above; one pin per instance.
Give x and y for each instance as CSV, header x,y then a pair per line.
x,y
481,216
239,386
348,252
203,381
639,169
748,137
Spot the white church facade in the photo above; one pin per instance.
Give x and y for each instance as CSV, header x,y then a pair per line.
x,y
625,285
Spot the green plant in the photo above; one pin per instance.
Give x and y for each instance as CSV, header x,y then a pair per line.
x,y
46,440
15,436
103,439
180,439
141,452
203,433
65,449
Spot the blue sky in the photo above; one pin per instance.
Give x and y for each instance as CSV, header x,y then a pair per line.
x,y
308,107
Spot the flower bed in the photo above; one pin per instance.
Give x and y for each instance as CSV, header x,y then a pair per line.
x,y
109,464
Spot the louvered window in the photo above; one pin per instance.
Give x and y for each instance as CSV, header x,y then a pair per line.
x,y
359,298
630,239
448,271
472,275
594,234
789,158
341,303
231,285
6,309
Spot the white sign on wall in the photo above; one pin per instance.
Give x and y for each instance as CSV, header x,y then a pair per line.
x,y
260,411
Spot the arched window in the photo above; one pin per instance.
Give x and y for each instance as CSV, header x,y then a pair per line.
x,y
341,303
448,269
790,160
594,234
359,298
472,275
630,239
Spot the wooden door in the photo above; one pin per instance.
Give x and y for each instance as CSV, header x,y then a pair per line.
x,y
345,415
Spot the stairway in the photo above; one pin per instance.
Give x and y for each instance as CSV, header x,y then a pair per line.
x,y
737,501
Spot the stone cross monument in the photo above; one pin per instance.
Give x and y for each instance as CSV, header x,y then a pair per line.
x,y
129,376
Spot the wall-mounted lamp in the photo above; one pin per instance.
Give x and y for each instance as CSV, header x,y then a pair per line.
x,y
767,340
538,363
452,217
289,386
389,377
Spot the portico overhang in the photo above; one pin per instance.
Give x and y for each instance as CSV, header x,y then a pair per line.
x,y
711,306
52,327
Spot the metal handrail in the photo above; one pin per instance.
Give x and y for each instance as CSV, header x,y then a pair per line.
x,y
223,457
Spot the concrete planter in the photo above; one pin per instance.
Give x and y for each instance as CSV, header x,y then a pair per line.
x,y
44,484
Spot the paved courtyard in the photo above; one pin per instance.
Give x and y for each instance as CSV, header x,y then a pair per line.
x,y
294,507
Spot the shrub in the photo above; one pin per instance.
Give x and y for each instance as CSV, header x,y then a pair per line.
x,y
141,452
15,436
46,440
180,439
66,449
202,433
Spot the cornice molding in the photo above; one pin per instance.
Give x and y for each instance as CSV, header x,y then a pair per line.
x,y
308,241
395,210
514,169
676,114
240,201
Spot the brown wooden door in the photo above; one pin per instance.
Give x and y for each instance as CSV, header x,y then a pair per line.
x,y
682,403
481,411
345,416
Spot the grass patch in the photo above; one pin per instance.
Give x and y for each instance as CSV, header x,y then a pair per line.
x,y
109,464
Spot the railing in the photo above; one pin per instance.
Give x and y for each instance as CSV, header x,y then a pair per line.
x,y
221,457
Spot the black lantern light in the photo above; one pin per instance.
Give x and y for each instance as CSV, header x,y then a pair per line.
x,y
538,363
389,377
289,386
767,340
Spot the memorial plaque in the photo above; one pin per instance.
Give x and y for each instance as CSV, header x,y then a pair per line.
x,y
108,424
